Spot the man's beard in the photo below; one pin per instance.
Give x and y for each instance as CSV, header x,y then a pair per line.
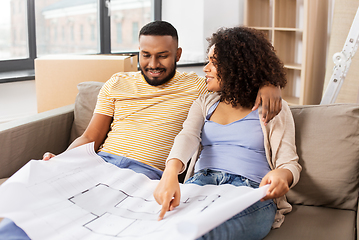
x,y
155,82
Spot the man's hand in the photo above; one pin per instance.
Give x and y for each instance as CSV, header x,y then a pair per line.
x,y
270,97
48,156
279,180
168,192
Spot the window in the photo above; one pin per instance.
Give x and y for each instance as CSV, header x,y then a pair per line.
x,y
93,37
29,30
55,32
82,33
13,28
72,31
135,32
63,33
79,18
119,33
128,17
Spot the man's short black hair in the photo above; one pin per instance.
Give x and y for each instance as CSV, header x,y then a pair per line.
x,y
159,28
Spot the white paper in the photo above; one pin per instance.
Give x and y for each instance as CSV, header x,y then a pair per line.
x,y
77,195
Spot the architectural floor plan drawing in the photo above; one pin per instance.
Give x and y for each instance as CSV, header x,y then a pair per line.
x,y
77,195
127,212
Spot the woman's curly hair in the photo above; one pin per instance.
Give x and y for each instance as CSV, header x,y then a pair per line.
x,y
245,61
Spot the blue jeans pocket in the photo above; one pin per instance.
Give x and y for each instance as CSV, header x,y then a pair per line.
x,y
204,177
251,183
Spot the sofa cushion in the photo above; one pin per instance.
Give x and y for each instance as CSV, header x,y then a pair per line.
x,y
312,223
85,104
327,139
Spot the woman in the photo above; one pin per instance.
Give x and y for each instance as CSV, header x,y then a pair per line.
x,y
237,148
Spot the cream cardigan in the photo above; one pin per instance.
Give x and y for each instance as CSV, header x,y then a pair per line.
x,y
279,143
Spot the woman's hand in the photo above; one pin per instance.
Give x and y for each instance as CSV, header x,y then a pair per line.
x,y
279,180
48,156
167,192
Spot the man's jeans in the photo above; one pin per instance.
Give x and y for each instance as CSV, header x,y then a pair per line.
x,y
254,222
138,167
10,231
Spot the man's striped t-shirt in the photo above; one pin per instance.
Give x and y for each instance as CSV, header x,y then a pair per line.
x,y
146,118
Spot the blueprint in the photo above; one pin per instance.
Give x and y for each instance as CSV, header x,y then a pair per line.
x,y
77,195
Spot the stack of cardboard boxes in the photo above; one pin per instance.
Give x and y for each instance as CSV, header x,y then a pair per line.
x,y
57,76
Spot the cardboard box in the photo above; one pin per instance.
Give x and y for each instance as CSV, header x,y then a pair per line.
x,y
57,76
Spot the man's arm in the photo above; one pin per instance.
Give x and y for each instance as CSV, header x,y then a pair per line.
x,y
96,132
271,99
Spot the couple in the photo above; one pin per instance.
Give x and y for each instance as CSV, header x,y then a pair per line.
x,y
139,114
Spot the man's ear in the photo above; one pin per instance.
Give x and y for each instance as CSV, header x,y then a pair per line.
x,y
178,54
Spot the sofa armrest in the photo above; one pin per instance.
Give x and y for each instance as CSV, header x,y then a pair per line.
x,y
29,138
2,180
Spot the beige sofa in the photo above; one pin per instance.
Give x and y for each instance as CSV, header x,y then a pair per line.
x,y
325,201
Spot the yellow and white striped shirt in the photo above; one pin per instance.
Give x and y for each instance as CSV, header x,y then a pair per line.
x,y
146,118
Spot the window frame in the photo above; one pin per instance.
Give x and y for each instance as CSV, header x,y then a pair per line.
x,y
27,63
23,69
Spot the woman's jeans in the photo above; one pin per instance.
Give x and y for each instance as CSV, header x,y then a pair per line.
x,y
10,231
254,222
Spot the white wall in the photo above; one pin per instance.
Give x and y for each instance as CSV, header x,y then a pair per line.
x,y
187,17
195,20
17,99
196,69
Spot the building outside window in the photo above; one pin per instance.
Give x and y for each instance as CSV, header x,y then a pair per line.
x,y
13,28
81,32
63,33
132,15
119,33
93,32
79,18
135,32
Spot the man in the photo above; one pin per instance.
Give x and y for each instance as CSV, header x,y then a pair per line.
x,y
138,114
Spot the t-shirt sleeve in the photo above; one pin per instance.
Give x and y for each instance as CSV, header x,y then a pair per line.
x,y
105,103
201,85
